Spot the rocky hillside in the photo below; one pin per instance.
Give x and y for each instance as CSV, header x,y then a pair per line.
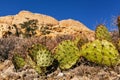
x,y
39,47
8,24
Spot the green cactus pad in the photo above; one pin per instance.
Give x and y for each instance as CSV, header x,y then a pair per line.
x,y
18,61
101,32
101,52
67,54
41,56
33,64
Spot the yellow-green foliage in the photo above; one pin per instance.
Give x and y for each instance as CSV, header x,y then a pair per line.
x,y
33,65
101,52
67,54
18,61
101,32
41,56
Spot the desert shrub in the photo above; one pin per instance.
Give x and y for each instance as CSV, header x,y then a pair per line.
x,y
6,45
29,28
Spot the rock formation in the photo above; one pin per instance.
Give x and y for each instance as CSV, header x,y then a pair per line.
x,y
64,27
49,32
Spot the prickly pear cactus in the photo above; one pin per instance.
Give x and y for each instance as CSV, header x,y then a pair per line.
x,y
41,56
101,52
33,65
18,61
101,32
67,54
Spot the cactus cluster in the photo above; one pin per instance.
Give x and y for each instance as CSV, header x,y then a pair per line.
x,y
101,32
38,58
101,52
67,54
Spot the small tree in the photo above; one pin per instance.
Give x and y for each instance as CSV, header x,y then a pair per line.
x,y
29,27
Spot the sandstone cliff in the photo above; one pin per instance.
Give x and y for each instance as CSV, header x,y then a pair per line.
x,y
72,27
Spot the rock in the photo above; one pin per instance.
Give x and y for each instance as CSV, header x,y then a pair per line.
x,y
76,28
75,78
7,72
54,27
71,27
80,78
60,75
6,29
26,15
7,19
5,68
73,24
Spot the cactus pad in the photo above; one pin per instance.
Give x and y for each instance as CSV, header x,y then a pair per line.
x,y
67,54
18,61
101,52
41,56
101,32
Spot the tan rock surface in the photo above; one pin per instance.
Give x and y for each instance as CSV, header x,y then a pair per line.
x,y
73,24
26,15
6,19
4,28
58,27
76,28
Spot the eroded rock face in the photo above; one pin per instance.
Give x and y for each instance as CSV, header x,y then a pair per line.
x,y
6,29
7,19
54,27
26,15
72,24
76,28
